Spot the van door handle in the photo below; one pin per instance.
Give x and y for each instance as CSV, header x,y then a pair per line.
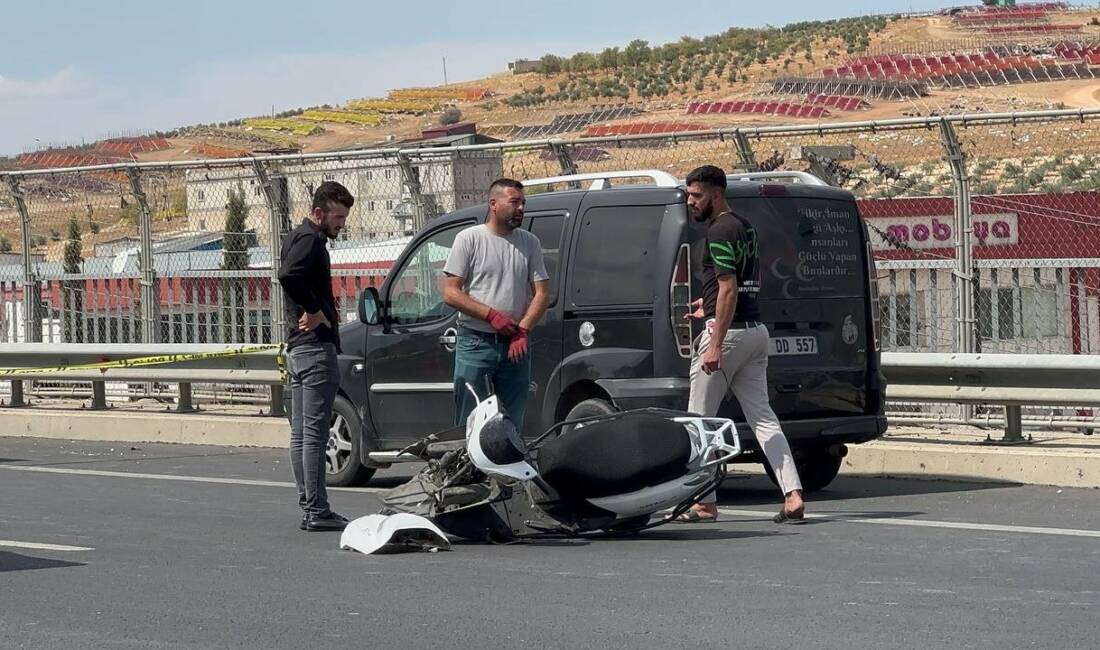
x,y
449,339
788,388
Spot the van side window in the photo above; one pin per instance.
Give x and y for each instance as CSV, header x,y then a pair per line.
x,y
616,261
414,293
548,229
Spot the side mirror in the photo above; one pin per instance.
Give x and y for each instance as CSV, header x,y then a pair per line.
x,y
370,307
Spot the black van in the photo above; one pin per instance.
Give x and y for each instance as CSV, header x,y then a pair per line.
x,y
624,263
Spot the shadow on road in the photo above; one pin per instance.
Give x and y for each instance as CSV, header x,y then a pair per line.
x,y
17,562
696,533
758,490
668,533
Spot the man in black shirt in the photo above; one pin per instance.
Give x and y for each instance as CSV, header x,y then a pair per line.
x,y
313,340
732,350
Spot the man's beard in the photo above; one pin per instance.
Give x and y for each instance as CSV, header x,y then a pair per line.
x,y
514,221
702,215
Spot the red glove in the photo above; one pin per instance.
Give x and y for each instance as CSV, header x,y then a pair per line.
x,y
517,349
502,323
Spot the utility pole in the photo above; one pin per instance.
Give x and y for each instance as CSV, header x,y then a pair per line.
x,y
444,70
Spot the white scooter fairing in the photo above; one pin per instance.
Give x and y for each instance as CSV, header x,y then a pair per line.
x,y
627,465
401,532
494,444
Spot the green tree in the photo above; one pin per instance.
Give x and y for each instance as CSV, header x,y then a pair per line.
x,y
636,53
583,62
609,58
72,290
234,258
550,64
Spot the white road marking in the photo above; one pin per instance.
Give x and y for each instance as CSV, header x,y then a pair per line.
x,y
927,523
170,477
884,521
10,543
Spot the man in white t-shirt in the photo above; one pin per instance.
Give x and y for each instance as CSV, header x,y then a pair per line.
x,y
496,278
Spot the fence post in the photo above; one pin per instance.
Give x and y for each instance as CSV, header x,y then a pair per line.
x,y
412,181
150,300
745,152
278,208
1014,428
184,404
17,399
565,159
99,396
965,340
32,323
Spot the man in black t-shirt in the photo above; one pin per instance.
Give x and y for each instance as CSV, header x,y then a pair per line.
x,y
732,350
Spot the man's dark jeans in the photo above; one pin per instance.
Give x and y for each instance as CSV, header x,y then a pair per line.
x,y
482,358
314,380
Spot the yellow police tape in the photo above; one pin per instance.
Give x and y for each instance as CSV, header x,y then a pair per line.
x,y
155,361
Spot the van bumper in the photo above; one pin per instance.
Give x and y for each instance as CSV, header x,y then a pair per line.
x,y
661,392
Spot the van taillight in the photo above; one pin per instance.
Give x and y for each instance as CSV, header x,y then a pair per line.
x,y
680,301
872,292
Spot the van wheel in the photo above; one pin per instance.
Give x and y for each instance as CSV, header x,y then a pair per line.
x,y
589,408
817,469
345,437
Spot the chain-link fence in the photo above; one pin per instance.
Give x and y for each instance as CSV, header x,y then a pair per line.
x,y
985,226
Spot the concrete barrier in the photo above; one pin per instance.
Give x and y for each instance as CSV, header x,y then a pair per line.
x,y
1056,459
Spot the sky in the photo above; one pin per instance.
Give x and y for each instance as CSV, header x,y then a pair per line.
x,y
73,72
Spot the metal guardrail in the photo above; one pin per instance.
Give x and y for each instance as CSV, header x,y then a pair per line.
x,y
144,363
1008,380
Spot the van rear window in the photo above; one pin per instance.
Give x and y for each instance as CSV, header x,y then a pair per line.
x,y
809,247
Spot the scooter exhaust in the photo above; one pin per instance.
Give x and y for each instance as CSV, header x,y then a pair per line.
x,y
839,451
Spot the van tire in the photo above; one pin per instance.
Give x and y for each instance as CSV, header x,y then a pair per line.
x,y
816,469
351,472
589,408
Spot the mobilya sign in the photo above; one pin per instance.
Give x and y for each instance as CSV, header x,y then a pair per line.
x,y
939,232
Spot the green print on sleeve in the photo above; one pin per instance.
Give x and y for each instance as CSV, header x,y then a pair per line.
x,y
729,255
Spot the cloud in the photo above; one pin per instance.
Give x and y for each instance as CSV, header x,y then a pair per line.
x,y
64,83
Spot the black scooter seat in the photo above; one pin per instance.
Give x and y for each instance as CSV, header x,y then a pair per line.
x,y
615,456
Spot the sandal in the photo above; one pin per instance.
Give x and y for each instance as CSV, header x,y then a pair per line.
x,y
785,517
693,517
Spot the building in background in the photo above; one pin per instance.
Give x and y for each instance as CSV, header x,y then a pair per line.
x,y
1036,265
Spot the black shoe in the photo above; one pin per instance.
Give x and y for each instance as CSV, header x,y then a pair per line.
x,y
305,520
331,521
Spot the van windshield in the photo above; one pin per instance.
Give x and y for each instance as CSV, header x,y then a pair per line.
x,y
809,247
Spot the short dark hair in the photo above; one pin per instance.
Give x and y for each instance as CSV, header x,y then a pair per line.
x,y
707,175
505,182
332,192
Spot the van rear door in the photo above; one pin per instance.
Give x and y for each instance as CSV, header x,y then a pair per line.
x,y
814,299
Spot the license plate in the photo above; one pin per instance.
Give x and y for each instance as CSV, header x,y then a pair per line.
x,y
782,346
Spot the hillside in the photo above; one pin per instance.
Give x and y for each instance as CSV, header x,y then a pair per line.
x,y
978,59
640,82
